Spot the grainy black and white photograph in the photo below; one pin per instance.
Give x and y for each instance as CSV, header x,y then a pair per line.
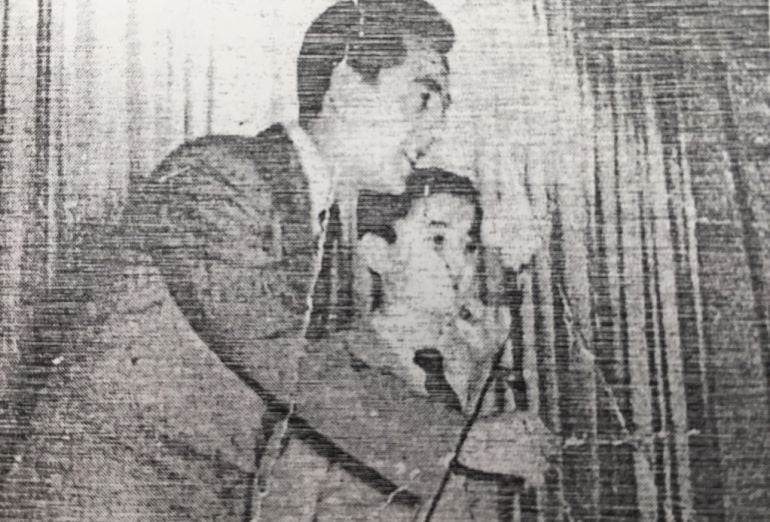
x,y
391,260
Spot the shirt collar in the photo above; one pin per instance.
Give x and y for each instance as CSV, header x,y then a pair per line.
x,y
316,171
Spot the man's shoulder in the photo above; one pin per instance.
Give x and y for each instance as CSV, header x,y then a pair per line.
x,y
273,143
220,174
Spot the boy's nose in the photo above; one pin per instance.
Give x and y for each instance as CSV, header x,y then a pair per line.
x,y
455,269
456,279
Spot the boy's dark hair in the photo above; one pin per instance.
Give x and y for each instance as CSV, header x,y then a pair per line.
x,y
371,36
377,213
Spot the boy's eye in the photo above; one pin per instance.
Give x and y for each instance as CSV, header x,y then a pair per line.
x,y
438,240
471,248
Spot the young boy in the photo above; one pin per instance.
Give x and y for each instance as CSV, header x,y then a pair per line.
x,y
424,323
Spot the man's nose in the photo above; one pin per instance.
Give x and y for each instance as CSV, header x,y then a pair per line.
x,y
435,130
422,146
430,132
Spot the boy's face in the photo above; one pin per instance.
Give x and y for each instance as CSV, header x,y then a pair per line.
x,y
434,258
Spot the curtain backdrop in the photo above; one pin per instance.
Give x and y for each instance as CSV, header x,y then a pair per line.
x,y
622,143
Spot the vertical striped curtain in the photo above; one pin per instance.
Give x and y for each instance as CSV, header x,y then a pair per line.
x,y
610,319
573,126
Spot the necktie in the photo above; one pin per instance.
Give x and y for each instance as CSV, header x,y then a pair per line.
x,y
432,363
333,294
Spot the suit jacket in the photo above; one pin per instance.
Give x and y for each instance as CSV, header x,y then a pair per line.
x,y
311,481
228,222
215,263
139,420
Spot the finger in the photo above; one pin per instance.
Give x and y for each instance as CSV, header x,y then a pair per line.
x,y
475,307
470,333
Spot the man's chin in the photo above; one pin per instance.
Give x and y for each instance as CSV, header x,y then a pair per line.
x,y
401,169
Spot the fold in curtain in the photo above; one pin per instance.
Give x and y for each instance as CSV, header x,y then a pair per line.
x,y
611,323
610,329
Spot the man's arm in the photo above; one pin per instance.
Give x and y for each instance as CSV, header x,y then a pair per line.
x,y
367,414
92,453
202,216
372,414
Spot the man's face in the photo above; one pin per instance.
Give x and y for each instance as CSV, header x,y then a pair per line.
x,y
389,126
434,256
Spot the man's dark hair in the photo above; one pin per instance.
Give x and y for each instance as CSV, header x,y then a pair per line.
x,y
371,37
378,213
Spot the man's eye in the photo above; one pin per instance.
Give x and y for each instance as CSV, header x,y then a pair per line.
x,y
438,240
471,248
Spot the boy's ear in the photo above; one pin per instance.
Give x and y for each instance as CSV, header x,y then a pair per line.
x,y
374,251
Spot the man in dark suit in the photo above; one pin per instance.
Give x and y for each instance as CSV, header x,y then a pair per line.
x,y
221,272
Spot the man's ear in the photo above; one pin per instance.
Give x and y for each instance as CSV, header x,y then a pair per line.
x,y
329,105
346,87
375,252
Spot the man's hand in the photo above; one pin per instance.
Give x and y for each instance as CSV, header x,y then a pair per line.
x,y
482,328
469,343
516,444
